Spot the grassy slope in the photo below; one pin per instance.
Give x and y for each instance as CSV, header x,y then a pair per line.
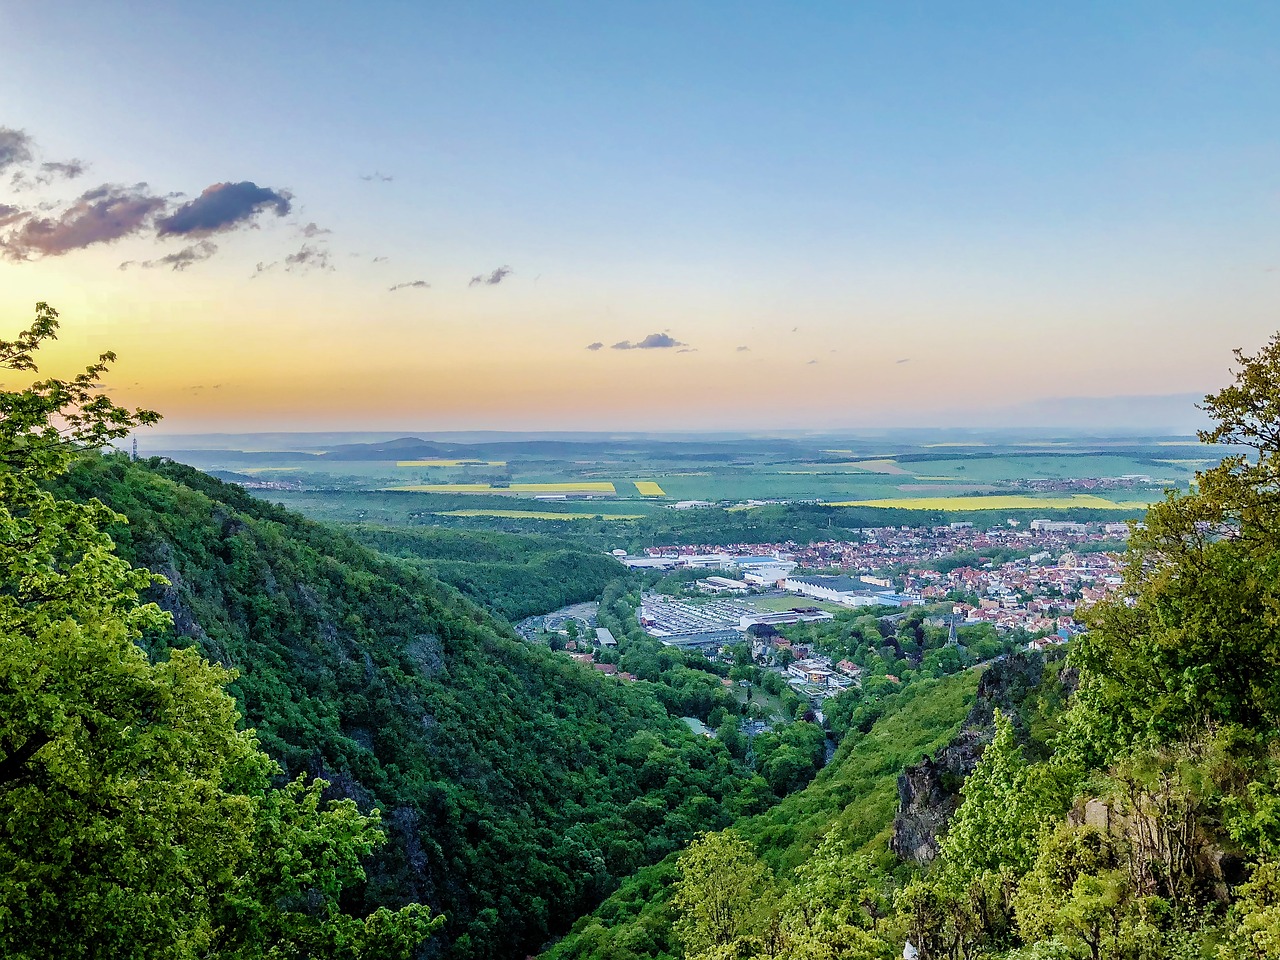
x,y
856,794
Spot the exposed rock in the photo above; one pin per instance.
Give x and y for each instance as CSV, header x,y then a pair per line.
x,y
929,791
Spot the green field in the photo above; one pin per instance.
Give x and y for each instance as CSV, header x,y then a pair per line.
x,y
1079,501
494,481
539,515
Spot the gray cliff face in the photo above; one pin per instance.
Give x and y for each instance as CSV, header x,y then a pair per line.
x,y
929,791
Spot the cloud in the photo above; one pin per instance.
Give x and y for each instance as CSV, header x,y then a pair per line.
x,y
743,349
654,341
379,260
811,363
47,174
595,346
410,285
10,214
311,230
308,258
15,148
903,360
376,177
687,350
178,261
222,206
101,215
493,279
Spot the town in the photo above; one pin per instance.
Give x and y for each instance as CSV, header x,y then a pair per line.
x,y
1008,576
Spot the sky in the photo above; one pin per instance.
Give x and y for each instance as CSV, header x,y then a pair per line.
x,y
454,216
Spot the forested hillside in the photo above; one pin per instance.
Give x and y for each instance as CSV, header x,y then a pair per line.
x,y
514,576
517,787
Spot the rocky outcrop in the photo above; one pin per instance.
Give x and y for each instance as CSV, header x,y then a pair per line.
x,y
929,791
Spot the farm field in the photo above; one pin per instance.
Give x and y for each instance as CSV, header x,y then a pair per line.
x,y
494,480
451,463
539,515
591,486
997,502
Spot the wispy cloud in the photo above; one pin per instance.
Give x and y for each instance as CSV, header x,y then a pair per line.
x,y
376,177
491,279
310,257
313,230
595,346
180,260
744,349
410,285
46,174
654,341
15,148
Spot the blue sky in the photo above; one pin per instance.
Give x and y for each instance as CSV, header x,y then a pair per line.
x,y
1051,199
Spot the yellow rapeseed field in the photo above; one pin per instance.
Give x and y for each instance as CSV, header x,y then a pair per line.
x,y
649,488
1010,502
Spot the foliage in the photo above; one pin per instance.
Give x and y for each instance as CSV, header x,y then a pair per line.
x,y
514,576
718,895
137,818
366,671
826,844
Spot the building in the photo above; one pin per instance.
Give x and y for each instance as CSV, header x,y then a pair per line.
x,y
811,615
765,571
605,638
723,585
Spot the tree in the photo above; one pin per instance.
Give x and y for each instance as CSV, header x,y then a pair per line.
x,y
718,894
1194,639
136,819
1003,812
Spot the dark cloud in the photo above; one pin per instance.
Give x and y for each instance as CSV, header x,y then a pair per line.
x,y
222,206
595,346
312,230
10,214
101,215
376,177
180,260
410,285
310,257
743,349
493,279
15,148
654,341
